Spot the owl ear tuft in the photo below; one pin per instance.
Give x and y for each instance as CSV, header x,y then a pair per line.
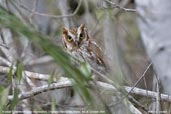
x,y
82,26
65,31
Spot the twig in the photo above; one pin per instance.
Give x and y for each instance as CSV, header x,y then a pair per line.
x,y
44,88
24,18
138,91
27,73
123,3
97,91
114,5
137,104
6,53
34,9
140,77
52,16
6,34
4,61
38,61
5,46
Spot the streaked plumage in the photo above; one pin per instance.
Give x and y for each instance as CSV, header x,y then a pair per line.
x,y
78,43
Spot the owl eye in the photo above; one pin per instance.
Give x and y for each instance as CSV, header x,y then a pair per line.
x,y
69,38
81,36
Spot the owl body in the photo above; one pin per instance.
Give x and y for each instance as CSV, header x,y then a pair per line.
x,y
79,44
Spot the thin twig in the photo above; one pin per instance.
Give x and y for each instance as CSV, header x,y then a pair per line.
x,y
97,91
50,15
5,46
5,61
24,18
34,9
38,61
44,88
141,77
114,5
6,52
125,96
137,104
123,3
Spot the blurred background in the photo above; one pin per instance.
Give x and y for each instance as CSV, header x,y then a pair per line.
x,y
129,32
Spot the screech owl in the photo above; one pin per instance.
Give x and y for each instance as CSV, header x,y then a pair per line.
x,y
78,43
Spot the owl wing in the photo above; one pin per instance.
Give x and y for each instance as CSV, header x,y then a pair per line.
x,y
97,55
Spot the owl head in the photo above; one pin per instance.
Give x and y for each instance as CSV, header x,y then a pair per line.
x,y
74,38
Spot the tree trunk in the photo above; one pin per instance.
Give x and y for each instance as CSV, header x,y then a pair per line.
x,y
154,24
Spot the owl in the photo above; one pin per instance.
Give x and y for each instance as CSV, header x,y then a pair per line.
x,y
79,44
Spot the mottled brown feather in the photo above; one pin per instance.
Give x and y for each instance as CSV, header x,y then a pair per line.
x,y
85,49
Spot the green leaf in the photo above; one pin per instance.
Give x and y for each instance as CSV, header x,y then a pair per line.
x,y
10,73
15,99
19,71
85,68
3,98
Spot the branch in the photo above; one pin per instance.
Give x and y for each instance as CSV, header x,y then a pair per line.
x,y
28,74
34,9
114,5
4,61
41,60
38,90
52,16
64,82
142,76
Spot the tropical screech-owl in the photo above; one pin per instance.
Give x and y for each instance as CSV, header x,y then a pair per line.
x,y
78,43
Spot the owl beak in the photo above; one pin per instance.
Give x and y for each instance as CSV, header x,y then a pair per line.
x,y
76,44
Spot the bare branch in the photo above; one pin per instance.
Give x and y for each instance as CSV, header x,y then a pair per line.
x,y
44,88
136,91
65,81
27,73
141,77
50,15
34,9
137,104
114,5
133,109
41,60
4,61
